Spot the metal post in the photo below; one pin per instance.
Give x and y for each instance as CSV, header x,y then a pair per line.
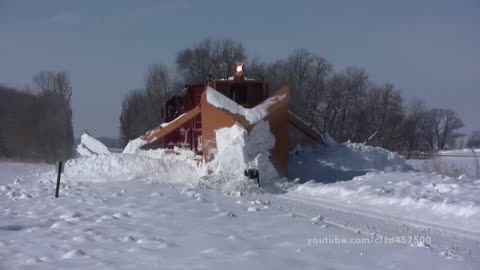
x,y
59,174
258,179
253,173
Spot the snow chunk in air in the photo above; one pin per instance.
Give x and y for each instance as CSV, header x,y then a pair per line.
x,y
133,146
90,146
340,162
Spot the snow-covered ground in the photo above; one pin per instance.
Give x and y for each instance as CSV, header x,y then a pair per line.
x,y
350,206
381,184
416,198
150,223
451,163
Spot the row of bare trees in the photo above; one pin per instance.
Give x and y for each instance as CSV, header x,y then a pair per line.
x,y
345,104
141,108
474,139
349,106
37,125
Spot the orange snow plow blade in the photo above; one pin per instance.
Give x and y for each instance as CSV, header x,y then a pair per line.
x,y
214,118
167,128
302,126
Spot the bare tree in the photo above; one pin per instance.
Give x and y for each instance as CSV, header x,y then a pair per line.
x,y
355,85
445,124
316,85
440,126
209,57
256,68
474,140
56,93
158,87
54,83
331,105
37,126
157,81
412,127
134,119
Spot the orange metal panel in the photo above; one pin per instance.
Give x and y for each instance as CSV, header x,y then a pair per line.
x,y
214,118
167,128
298,123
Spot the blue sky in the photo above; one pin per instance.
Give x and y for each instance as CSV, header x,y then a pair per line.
x,y
429,49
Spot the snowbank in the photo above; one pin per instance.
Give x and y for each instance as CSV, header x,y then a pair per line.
x,y
236,151
123,167
383,184
414,195
90,146
339,162
252,115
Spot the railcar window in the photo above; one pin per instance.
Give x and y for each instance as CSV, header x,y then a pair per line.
x,y
238,93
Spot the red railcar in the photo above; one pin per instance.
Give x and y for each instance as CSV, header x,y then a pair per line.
x,y
188,135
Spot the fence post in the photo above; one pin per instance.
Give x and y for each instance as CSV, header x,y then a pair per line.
x,y
59,174
477,164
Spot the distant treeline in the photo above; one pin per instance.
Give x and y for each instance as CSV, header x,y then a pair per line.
x,y
345,104
37,125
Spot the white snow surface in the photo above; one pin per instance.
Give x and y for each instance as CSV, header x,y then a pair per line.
x,y
374,181
125,167
452,163
114,207
83,151
238,150
452,202
90,146
339,162
133,146
252,115
460,152
156,225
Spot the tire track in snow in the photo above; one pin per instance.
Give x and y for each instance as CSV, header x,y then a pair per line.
x,y
447,233
473,235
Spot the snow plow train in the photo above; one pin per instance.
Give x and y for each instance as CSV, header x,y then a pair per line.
x,y
196,114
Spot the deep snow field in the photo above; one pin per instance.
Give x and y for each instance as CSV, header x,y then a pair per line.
x,y
451,162
154,210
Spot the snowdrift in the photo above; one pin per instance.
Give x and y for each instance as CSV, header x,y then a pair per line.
x,y
397,190
382,183
122,167
340,162
236,151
